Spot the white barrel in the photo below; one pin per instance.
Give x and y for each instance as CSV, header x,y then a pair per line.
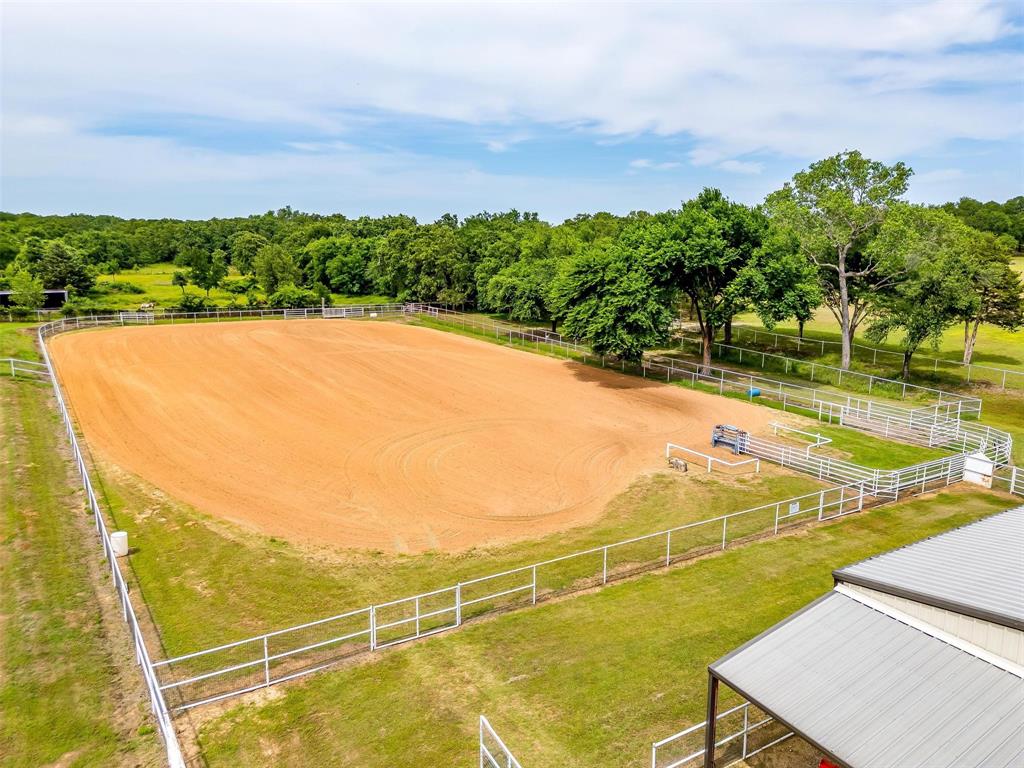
x,y
119,543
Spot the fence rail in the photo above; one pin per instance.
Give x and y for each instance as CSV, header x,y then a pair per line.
x,y
27,367
493,752
256,662
971,372
711,460
838,376
749,730
158,705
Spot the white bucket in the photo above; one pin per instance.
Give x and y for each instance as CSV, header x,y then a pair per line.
x,y
119,543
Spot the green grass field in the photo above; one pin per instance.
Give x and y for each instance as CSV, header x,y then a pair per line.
x,y
590,681
155,280
63,696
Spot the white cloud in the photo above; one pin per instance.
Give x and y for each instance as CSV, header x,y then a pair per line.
x,y
649,165
741,166
791,80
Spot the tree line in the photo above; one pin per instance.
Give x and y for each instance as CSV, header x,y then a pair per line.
x,y
838,235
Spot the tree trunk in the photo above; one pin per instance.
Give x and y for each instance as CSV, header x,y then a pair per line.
x,y
800,328
708,334
554,325
844,314
970,339
727,331
906,365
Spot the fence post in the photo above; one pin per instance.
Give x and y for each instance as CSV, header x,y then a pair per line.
x,y
668,537
458,604
266,661
604,567
373,627
534,598
725,521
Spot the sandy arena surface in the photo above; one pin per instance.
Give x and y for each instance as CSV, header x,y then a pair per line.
x,y
374,434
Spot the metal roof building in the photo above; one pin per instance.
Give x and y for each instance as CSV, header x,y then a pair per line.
x,y
914,659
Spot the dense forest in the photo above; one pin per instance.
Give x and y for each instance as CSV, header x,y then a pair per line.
x,y
839,235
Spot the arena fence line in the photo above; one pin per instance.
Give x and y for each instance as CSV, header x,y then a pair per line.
x,y
493,752
256,662
157,703
971,372
840,377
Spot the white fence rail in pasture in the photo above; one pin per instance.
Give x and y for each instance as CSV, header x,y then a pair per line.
x,y
257,662
748,730
970,372
1009,479
709,460
14,366
840,377
157,703
493,752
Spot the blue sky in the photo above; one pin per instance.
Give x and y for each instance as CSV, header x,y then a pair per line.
x,y
218,109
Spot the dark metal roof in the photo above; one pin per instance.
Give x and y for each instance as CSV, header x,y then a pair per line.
x,y
977,570
873,691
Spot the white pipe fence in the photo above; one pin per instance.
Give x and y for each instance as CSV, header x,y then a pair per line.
x,y
157,704
257,662
748,730
709,460
831,374
1011,479
493,752
970,372
27,367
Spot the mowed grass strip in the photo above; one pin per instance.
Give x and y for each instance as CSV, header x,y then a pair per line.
x,y
18,340
59,682
207,582
587,681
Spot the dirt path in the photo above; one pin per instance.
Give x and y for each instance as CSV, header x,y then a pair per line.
x,y
374,435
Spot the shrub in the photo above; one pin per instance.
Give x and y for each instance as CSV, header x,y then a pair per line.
x,y
290,296
123,286
190,302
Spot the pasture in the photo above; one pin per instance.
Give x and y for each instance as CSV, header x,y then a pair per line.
x,y
269,473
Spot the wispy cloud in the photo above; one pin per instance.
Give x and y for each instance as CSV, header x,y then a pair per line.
x,y
649,165
786,83
741,166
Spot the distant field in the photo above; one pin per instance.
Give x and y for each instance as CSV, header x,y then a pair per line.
x,y
155,280
996,347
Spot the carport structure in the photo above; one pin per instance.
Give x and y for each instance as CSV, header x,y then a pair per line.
x,y
915,658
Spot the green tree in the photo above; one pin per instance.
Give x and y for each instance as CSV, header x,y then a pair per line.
x,y
243,248
835,208
928,254
779,282
607,296
996,287
275,268
217,271
181,280
522,290
62,266
26,290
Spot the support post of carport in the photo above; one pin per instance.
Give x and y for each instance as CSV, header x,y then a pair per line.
x,y
711,722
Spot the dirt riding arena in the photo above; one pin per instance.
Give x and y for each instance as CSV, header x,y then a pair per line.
x,y
374,435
